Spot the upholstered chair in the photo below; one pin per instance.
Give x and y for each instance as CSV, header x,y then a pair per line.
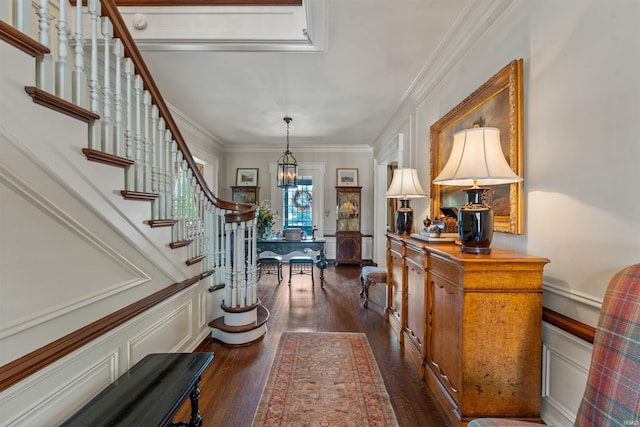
x,y
612,394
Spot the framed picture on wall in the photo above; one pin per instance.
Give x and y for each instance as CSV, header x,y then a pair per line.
x,y
246,177
497,103
245,194
346,177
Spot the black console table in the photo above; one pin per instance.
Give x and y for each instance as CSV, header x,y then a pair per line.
x,y
148,394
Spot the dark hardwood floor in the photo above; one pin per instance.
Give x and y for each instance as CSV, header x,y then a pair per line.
x,y
232,384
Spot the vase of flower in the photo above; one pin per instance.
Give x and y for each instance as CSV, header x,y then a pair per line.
x,y
265,222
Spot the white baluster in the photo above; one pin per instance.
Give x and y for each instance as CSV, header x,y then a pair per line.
x,y
254,257
192,203
94,13
79,77
237,260
216,243
250,265
146,142
137,111
222,245
62,72
242,266
208,234
107,35
202,215
156,141
44,72
228,277
118,53
176,205
169,176
129,138
217,239
22,15
162,172
185,199
198,216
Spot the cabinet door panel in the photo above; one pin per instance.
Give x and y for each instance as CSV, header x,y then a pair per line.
x,y
415,305
348,248
395,305
444,333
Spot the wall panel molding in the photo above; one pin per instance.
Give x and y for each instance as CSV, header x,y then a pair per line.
x,y
565,366
58,214
176,324
22,368
78,386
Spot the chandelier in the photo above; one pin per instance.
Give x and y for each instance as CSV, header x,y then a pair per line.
x,y
287,165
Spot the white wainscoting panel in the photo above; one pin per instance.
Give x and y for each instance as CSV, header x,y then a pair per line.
x,y
367,248
565,365
330,247
168,333
51,395
202,308
60,387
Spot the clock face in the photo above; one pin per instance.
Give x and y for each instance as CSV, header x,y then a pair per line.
x,y
302,199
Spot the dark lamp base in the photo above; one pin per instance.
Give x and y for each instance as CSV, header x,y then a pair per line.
x,y
404,218
475,223
474,250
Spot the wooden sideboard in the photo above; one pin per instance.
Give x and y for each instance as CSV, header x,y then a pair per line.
x,y
472,324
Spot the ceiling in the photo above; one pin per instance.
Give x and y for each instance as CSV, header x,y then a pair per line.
x,y
339,68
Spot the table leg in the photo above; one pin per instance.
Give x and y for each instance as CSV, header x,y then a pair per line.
x,y
321,264
196,418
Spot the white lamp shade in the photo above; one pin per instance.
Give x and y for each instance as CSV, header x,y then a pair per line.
x,y
476,156
405,185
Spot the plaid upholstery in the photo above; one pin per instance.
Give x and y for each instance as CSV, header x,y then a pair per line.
x,y
612,394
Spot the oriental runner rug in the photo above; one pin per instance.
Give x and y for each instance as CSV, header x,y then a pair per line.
x,y
324,379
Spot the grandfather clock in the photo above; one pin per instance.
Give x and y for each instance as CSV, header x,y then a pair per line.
x,y
348,237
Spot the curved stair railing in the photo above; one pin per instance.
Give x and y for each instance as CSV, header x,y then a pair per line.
x,y
89,67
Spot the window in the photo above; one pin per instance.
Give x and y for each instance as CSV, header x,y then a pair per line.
x,y
298,207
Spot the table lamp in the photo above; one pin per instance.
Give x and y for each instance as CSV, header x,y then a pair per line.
x,y
405,185
476,159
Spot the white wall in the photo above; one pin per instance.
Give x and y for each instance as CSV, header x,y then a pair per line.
x,y
582,111
582,118
204,147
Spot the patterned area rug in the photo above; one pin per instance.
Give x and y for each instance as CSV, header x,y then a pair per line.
x,y
324,379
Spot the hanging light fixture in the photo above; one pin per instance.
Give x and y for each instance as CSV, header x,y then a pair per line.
x,y
287,165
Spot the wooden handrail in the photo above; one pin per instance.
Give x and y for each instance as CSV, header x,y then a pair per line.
x,y
21,368
110,9
20,40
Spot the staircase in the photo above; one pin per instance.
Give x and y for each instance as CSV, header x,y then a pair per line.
x,y
88,68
